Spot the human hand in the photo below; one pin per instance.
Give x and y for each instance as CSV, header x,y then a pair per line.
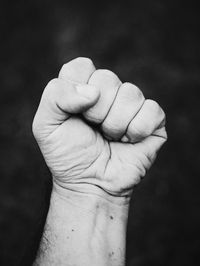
x,y
96,134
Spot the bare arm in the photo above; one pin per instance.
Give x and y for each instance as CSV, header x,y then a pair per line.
x,y
83,230
95,160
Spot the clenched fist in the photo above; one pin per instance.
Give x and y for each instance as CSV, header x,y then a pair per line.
x,y
97,134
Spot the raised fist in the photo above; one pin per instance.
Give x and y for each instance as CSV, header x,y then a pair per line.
x,y
97,134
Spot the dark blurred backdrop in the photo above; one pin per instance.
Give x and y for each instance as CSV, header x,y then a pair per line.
x,y
154,44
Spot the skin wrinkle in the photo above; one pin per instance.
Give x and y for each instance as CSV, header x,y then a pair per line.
x,y
161,124
74,166
85,168
139,168
74,81
96,194
92,188
150,161
110,154
117,86
69,114
136,165
111,104
154,135
83,210
133,118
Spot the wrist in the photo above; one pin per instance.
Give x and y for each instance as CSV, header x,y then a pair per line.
x,y
88,196
84,227
99,221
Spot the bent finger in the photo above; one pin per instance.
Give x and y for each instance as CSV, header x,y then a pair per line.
x,y
60,99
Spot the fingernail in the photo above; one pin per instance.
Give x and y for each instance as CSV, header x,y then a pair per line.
x,y
124,139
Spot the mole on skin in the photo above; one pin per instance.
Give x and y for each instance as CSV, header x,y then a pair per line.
x,y
110,254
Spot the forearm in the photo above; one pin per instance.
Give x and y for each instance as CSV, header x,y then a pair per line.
x,y
84,229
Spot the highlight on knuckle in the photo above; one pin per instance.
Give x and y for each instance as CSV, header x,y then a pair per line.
x,y
133,91
104,72
154,107
105,75
157,112
79,61
85,60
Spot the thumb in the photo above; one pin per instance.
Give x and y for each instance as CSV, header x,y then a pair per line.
x,y
61,99
87,96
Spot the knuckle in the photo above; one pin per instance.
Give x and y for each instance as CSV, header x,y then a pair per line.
x,y
104,72
105,75
132,91
80,62
85,60
154,108
152,105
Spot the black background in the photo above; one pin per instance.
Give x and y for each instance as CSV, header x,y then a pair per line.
x,y
154,44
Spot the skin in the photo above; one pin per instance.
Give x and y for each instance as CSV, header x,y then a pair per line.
x,y
98,137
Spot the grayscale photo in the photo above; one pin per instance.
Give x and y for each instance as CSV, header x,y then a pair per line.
x,y
100,133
